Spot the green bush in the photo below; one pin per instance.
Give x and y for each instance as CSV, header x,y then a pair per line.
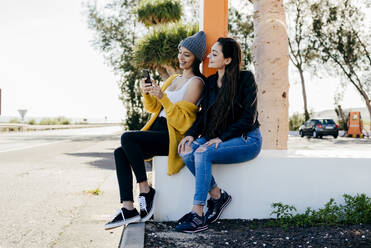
x,y
153,12
160,47
295,121
15,120
55,121
31,122
357,209
62,121
48,121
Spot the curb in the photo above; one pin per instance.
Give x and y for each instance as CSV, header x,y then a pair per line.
x,y
133,236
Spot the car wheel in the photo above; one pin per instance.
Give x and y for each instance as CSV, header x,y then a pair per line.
x,y
335,136
314,134
301,133
320,136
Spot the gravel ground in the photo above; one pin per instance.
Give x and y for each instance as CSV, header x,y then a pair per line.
x,y
242,233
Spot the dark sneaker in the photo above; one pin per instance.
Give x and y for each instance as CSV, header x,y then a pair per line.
x,y
123,217
146,204
186,217
216,207
192,223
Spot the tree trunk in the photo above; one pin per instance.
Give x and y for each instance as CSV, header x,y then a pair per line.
x,y
271,57
306,113
367,101
343,118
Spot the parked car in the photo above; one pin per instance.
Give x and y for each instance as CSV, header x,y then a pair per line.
x,y
318,128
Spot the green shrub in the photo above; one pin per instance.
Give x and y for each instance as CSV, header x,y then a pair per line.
x,y
48,121
15,120
295,121
55,121
62,121
31,122
357,209
153,12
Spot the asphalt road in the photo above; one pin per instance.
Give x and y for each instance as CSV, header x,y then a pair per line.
x,y
45,179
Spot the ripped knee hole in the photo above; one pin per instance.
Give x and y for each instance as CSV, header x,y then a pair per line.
x,y
201,149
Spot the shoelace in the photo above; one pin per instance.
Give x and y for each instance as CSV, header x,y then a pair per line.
x,y
142,203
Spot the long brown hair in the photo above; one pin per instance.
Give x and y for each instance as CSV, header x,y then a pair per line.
x,y
223,105
196,69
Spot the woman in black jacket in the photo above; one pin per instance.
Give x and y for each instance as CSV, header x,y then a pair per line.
x,y
226,131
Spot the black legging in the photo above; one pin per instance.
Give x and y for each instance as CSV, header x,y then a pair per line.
x,y
135,147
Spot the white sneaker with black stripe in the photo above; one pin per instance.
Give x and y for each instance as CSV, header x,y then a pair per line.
x,y
123,217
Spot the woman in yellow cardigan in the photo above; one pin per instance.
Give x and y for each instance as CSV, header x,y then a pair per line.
x,y
173,107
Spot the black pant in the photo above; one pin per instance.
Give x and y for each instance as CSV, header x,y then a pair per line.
x,y
135,147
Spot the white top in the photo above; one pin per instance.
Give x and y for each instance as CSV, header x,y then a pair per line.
x,y
177,95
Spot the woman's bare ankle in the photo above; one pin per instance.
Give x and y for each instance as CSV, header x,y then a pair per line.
x,y
198,209
128,205
144,187
215,193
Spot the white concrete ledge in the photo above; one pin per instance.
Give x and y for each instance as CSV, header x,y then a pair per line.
x,y
303,178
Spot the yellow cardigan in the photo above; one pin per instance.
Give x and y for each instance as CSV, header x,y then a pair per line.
x,y
179,117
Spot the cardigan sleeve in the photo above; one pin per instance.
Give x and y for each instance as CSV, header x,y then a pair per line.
x,y
179,115
151,103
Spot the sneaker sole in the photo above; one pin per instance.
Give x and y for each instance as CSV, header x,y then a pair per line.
x,y
200,229
149,215
121,223
222,209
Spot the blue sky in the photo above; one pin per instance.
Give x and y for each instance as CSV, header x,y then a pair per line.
x,y
48,66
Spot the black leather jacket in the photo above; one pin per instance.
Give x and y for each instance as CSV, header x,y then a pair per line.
x,y
245,116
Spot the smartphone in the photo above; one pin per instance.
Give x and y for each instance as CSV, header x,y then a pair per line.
x,y
146,74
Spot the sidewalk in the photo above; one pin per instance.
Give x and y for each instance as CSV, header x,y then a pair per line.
x,y
47,200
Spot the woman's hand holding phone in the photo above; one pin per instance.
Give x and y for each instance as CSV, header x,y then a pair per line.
x,y
156,91
151,88
145,87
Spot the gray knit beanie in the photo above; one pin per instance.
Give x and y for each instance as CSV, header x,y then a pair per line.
x,y
196,44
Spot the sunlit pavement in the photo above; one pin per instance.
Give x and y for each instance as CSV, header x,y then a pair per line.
x,y
45,179
329,143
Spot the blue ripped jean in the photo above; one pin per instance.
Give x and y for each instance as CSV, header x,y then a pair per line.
x,y
235,150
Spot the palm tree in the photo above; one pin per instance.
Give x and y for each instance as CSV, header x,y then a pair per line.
x,y
271,58
158,49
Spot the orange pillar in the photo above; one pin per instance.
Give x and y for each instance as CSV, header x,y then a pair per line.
x,y
214,22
